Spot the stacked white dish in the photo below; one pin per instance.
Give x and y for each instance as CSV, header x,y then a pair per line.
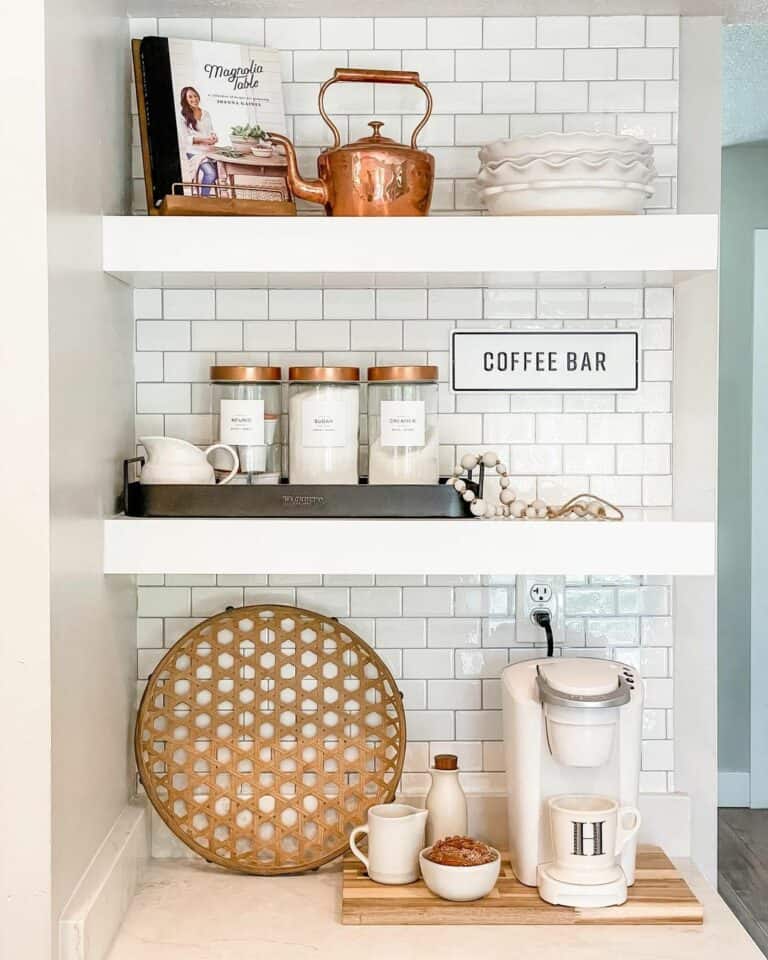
x,y
566,173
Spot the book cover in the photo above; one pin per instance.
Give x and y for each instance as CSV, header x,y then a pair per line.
x,y
205,109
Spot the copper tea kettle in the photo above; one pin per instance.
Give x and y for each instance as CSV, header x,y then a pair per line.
x,y
374,176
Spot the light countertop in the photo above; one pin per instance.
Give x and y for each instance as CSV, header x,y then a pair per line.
x,y
187,910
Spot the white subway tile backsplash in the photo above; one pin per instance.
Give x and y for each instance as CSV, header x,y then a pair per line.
x,y
428,664
427,601
163,398
431,65
241,304
454,32
537,65
292,33
454,694
391,33
147,304
616,96
295,304
511,98
328,335
484,664
569,96
454,632
217,335
447,641
616,31
163,335
430,725
349,304
401,632
645,64
482,65
239,30
662,31
562,32
478,724
343,33
513,33
189,304
590,65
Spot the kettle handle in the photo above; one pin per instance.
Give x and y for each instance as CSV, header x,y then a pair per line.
x,y
360,75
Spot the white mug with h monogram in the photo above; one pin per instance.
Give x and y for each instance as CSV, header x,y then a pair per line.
x,y
395,838
588,834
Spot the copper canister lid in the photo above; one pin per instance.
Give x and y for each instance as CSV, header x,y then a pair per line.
x,y
403,374
446,761
325,374
245,374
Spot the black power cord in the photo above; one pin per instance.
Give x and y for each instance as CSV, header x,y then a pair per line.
x,y
543,619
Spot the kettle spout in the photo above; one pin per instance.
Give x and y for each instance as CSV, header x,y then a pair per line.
x,y
315,191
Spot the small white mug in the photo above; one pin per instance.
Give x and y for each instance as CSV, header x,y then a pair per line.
x,y
588,834
395,839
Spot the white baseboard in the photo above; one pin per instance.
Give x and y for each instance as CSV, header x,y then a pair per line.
x,y
666,822
733,788
96,909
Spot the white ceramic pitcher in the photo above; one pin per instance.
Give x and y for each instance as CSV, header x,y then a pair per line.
x,y
170,460
395,838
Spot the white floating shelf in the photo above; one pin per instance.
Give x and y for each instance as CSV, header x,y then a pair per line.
x,y
272,251
246,546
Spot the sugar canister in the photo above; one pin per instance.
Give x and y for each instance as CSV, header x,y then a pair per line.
x,y
246,404
403,425
323,424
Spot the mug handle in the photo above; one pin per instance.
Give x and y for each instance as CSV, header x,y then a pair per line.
x,y
233,454
354,847
624,834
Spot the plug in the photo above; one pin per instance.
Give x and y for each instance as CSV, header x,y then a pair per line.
x,y
543,619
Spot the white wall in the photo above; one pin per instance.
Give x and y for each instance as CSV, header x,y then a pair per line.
x,y
25,920
92,625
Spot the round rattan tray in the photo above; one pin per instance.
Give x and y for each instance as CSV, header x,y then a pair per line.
x,y
265,734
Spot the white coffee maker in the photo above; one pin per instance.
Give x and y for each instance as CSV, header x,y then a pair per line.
x,y
572,726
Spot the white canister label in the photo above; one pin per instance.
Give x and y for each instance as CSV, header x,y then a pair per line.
x,y
402,423
242,423
324,423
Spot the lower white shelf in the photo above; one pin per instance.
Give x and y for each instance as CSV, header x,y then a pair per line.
x,y
248,546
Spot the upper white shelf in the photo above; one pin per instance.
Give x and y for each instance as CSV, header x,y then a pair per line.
x,y
273,251
246,546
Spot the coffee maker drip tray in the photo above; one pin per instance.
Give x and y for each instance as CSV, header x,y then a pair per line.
x,y
562,893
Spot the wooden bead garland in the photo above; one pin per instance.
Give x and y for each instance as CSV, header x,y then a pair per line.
x,y
585,506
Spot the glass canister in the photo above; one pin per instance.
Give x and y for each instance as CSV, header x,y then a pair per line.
x,y
246,406
323,424
403,425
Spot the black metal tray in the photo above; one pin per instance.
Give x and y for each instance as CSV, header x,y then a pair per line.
x,y
289,500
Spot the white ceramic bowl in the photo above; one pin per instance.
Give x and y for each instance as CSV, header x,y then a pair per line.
x,y
566,198
460,883
570,143
626,156
499,173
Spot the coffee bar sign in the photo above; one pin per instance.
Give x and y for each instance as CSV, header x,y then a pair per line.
x,y
539,360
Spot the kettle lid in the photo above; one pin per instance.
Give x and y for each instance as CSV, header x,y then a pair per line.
x,y
375,139
580,676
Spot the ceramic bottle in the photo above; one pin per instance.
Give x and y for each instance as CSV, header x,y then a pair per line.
x,y
446,803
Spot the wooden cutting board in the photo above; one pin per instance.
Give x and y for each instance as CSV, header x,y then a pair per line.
x,y
659,895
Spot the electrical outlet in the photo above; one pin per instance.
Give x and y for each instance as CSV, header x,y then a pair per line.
x,y
539,593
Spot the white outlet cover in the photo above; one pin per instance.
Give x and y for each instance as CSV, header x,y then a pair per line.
x,y
528,633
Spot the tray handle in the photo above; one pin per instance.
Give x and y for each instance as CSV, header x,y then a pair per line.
x,y
127,481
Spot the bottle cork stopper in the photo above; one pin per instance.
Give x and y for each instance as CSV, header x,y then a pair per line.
x,y
446,761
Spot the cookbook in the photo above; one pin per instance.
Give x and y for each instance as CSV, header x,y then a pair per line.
x,y
205,112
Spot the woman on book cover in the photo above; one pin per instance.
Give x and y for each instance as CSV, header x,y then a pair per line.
x,y
197,138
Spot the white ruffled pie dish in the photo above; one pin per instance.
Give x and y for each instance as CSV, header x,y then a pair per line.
x,y
509,171
566,198
567,143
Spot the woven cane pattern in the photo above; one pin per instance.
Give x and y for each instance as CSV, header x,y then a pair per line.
x,y
265,734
